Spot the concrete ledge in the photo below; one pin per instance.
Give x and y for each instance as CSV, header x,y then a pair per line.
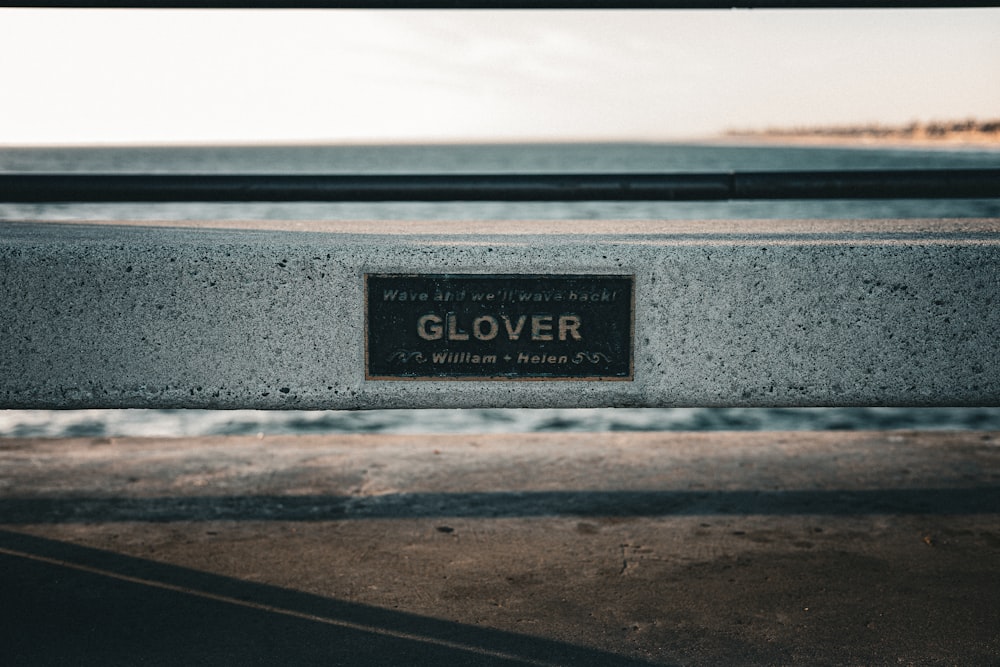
x,y
270,315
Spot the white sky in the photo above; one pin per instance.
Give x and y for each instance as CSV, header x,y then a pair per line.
x,y
114,76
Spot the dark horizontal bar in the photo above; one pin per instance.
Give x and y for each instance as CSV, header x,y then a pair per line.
x,y
869,184
876,184
499,4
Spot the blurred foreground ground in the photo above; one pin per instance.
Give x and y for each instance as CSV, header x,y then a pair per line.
x,y
835,548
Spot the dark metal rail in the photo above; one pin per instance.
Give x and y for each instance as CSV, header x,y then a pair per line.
x,y
500,4
870,184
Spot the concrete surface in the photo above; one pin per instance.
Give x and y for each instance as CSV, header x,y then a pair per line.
x,y
270,315
869,548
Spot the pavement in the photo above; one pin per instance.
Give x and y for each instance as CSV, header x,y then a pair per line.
x,y
771,548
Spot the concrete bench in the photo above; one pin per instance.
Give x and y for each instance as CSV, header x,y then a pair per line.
x,y
273,315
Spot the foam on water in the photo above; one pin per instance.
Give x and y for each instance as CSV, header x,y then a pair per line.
x,y
162,423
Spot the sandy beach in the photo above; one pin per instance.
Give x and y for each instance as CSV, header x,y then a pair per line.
x,y
947,135
950,143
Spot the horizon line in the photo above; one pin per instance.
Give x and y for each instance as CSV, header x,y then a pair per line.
x,y
362,142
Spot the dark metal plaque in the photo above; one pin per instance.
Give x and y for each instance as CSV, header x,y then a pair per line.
x,y
498,327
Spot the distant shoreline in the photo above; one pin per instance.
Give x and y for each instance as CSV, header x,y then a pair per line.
x,y
950,135
856,142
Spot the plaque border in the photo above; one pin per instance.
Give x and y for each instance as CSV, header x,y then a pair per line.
x,y
494,378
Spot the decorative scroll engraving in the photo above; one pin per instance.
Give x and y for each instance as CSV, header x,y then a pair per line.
x,y
592,357
406,356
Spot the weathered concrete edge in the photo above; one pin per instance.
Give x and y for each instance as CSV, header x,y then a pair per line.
x,y
744,314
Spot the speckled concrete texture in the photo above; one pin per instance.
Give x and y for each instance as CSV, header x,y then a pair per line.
x,y
271,315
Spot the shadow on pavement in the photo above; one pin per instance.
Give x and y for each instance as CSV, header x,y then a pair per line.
x,y
505,504
65,604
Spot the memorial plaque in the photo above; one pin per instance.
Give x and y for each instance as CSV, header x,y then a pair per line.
x,y
498,327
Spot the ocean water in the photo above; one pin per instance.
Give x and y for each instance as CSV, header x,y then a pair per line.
x,y
528,158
